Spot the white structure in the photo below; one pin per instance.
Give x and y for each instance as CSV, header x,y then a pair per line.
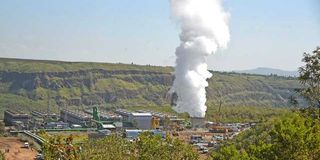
x,y
141,120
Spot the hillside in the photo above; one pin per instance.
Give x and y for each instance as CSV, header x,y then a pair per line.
x,y
269,71
27,84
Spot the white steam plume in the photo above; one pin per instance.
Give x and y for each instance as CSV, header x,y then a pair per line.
x,y
204,28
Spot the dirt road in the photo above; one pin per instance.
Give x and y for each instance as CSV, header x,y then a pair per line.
x,y
15,150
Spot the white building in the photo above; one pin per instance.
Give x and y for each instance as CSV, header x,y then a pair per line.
x,y
141,120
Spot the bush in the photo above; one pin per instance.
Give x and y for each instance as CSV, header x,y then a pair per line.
x,y
294,136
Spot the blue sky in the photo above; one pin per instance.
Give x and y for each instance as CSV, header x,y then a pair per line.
x,y
264,33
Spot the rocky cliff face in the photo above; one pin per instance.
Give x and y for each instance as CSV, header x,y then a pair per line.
x,y
90,87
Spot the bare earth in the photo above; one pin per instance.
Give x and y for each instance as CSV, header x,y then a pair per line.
x,y
185,137
15,150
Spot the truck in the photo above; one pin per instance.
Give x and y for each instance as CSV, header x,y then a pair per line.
x,y
196,139
26,145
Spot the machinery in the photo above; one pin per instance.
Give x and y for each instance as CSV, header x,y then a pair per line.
x,y
155,122
218,129
96,119
96,113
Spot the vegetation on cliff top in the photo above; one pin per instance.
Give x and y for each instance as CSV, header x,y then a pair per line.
x,y
31,66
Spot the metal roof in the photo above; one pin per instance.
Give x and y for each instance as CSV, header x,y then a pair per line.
x,y
108,126
142,114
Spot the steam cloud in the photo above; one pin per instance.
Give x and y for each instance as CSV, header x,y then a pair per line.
x,y
204,29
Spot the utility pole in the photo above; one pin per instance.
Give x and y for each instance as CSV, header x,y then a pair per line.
x,y
48,102
220,104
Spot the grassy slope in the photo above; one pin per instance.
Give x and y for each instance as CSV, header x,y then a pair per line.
x,y
240,94
250,90
22,65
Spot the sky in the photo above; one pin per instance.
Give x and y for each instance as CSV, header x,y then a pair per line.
x,y
264,33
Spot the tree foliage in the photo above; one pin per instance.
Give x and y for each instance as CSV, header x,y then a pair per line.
x,y
295,136
112,147
2,128
2,157
148,146
154,147
310,77
62,149
293,101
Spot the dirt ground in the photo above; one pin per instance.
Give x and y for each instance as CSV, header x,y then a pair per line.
x,y
15,150
186,134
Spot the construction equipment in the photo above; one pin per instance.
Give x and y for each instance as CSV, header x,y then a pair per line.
x,y
218,129
96,119
96,113
155,122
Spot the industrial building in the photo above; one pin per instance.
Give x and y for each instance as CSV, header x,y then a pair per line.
x,y
44,115
138,119
124,114
56,125
39,119
106,116
110,117
163,117
75,118
15,117
141,120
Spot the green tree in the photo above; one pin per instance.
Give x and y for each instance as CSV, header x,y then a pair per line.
x,y
293,101
148,146
154,147
109,148
230,153
295,136
2,157
310,77
58,148
2,128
